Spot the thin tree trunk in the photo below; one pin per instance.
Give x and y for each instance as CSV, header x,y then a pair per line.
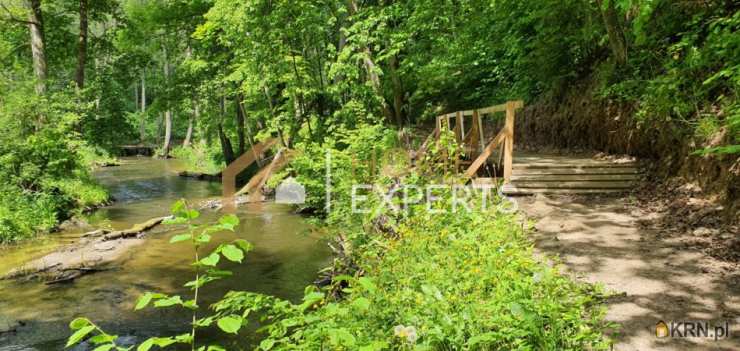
x,y
397,91
249,136
617,39
167,115
189,134
240,124
142,122
226,148
38,51
82,46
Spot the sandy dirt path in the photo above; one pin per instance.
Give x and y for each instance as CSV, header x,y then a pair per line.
x,y
599,241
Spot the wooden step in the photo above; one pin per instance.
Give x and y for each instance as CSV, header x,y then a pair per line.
x,y
528,177
563,170
514,190
579,165
575,185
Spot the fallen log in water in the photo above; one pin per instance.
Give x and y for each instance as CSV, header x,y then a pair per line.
x,y
201,176
97,249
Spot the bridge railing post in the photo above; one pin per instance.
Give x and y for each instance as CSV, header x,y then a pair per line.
x,y
509,141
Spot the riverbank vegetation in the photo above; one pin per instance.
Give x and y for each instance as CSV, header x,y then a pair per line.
x,y
406,278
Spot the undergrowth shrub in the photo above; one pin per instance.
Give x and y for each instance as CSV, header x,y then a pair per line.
x,y
445,281
199,157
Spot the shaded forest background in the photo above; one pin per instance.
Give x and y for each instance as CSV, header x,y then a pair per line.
x,y
204,79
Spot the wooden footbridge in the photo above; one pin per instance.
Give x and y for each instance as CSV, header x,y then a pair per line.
x,y
491,161
494,161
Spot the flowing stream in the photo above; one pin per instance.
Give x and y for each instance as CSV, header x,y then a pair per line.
x,y
286,258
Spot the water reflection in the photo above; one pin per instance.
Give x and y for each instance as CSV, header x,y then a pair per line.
x,y
286,259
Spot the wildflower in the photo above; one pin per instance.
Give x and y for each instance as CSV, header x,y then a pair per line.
x,y
537,277
408,333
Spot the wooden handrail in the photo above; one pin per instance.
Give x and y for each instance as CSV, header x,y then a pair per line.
x,y
228,176
504,137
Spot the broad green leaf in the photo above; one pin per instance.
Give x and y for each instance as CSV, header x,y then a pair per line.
x,y
180,237
210,260
79,335
107,347
146,345
367,284
230,324
192,214
203,238
246,246
229,222
171,301
143,301
178,208
175,221
232,253
102,338
190,304
362,304
267,344
79,323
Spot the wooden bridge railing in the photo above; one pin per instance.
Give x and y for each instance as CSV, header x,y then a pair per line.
x,y
475,136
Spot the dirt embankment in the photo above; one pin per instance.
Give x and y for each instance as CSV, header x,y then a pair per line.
x,y
577,120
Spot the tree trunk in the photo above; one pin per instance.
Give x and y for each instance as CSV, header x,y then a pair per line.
x,y
167,115
397,91
38,51
167,134
372,70
142,122
189,134
226,148
240,124
614,30
82,46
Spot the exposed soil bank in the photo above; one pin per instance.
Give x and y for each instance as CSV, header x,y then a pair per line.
x,y
577,120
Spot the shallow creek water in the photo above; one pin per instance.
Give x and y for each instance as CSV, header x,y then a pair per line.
x,y
286,258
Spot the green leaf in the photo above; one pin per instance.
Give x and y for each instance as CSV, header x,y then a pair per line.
x,y
246,246
211,260
180,237
362,304
79,323
178,208
230,324
79,335
146,345
190,304
367,284
267,344
229,222
102,338
192,214
203,238
175,221
107,347
171,301
143,301
232,253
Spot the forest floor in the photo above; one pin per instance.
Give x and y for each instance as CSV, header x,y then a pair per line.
x,y
665,258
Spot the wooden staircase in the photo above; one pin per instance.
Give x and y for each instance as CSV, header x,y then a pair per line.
x,y
537,174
